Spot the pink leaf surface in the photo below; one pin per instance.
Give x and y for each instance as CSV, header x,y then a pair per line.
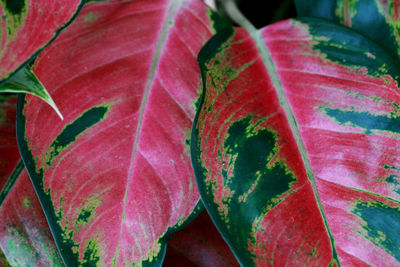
x,y
25,237
115,177
296,145
27,26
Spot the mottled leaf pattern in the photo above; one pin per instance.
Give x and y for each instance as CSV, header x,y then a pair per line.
x,y
377,19
27,26
115,178
25,238
296,145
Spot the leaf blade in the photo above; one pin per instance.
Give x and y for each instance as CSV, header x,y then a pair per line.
x,y
249,166
139,144
378,19
22,34
25,237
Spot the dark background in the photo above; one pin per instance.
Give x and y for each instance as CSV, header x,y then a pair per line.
x,y
264,12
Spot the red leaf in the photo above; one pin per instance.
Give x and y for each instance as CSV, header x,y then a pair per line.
x,y
25,237
27,26
115,178
296,145
199,244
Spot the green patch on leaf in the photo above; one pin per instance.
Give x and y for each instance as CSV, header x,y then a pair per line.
x,y
393,180
71,131
364,120
382,225
15,7
27,203
90,17
258,183
15,11
69,250
85,214
388,167
346,47
91,255
219,24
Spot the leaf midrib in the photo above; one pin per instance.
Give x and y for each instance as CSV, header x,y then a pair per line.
x,y
283,101
172,11
266,57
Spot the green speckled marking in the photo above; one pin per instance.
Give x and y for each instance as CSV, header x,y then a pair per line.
x,y
27,203
67,247
84,215
375,19
71,131
313,252
393,179
15,12
90,17
346,47
257,185
388,167
91,254
382,225
345,11
364,120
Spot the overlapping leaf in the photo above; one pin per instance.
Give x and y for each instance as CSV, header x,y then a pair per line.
x,y
27,26
199,244
296,146
377,19
25,237
115,179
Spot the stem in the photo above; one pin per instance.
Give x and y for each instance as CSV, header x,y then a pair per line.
x,y
235,14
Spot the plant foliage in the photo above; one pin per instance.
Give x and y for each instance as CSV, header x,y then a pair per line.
x,y
287,135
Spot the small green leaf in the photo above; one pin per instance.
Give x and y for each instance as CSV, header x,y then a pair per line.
x,y
25,81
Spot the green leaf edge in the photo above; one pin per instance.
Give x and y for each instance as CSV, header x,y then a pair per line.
x,y
69,258
39,50
206,52
11,181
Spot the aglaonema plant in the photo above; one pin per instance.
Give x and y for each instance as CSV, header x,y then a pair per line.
x,y
294,144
